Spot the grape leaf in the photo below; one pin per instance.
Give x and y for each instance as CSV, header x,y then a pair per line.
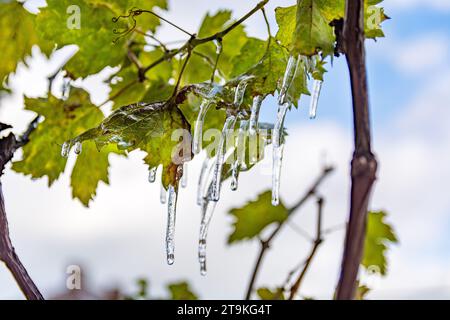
x,y
17,37
255,216
64,119
181,291
149,127
267,294
379,235
94,37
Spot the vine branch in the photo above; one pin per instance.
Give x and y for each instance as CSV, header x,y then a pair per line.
x,y
364,163
265,244
8,146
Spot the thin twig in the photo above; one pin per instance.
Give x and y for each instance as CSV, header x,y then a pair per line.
x,y
317,242
139,11
265,244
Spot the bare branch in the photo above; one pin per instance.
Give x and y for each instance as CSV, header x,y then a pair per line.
x,y
265,244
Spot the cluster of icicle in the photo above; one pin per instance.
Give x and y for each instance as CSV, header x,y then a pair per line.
x,y
210,179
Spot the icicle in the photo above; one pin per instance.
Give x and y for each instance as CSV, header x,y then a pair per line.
x,y
202,180
207,213
78,147
240,143
235,175
217,180
287,79
198,131
317,87
218,45
254,116
163,195
152,175
184,177
240,90
278,146
171,217
65,149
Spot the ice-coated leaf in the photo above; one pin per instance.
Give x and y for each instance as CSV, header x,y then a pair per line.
x,y
63,120
17,36
378,237
268,294
149,127
181,291
255,216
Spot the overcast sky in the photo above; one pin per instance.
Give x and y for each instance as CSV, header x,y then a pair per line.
x,y
121,236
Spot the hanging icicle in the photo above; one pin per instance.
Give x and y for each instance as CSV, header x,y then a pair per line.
x,y
163,195
254,116
217,178
65,149
205,173
207,213
184,177
317,87
235,175
152,174
171,217
289,75
278,146
240,90
198,131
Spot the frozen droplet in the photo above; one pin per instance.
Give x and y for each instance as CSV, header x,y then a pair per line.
x,y
235,175
278,147
218,45
163,194
240,143
207,213
184,177
171,217
152,174
317,87
254,116
240,90
198,131
78,147
289,75
65,149
217,178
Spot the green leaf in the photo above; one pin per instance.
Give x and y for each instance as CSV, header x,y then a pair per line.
x,y
255,216
379,235
17,37
148,127
361,292
267,294
64,119
94,37
181,291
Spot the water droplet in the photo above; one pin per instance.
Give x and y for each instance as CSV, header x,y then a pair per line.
x,y
317,87
218,45
171,217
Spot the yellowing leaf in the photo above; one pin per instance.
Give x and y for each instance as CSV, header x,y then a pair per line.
x,y
255,216
379,235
